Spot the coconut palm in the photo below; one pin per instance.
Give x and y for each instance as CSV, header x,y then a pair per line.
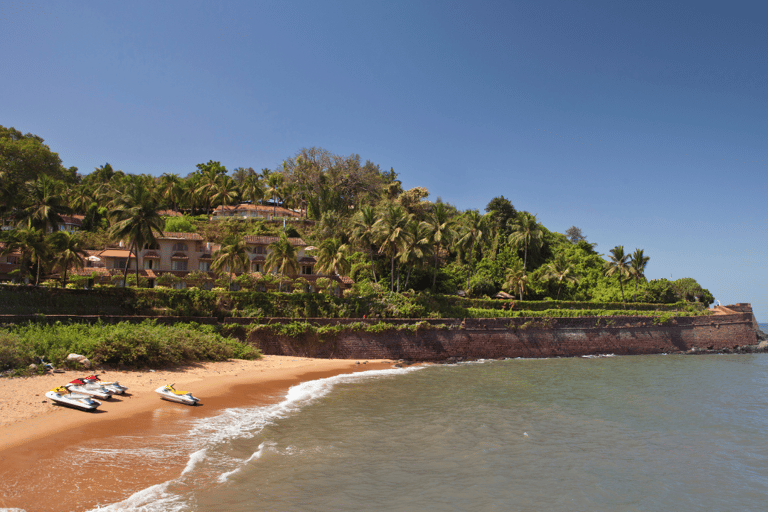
x,y
392,234
516,280
560,270
230,257
135,218
618,266
526,232
274,187
252,189
171,189
440,225
225,191
332,257
69,252
282,258
473,227
364,232
45,203
637,264
415,252
31,243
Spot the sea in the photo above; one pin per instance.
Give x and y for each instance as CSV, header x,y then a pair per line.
x,y
602,433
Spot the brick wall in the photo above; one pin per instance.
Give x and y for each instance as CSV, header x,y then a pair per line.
x,y
497,338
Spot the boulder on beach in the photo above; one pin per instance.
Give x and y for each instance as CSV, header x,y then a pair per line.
x,y
80,359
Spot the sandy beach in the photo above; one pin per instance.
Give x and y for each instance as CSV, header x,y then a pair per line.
x,y
38,438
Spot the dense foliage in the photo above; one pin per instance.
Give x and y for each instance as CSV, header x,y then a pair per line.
x,y
363,221
122,344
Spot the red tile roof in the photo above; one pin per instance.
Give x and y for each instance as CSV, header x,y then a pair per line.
x,y
175,235
266,240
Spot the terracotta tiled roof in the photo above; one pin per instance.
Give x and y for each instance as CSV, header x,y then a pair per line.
x,y
116,253
169,213
151,255
204,257
75,220
258,208
259,257
347,280
307,259
87,271
179,256
175,235
266,240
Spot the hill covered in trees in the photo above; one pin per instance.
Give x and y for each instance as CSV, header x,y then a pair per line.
x,y
358,216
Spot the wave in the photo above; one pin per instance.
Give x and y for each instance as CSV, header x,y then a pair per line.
x,y
231,424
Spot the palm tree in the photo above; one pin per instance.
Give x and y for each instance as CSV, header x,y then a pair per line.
x,y
135,218
474,228
392,234
618,265
46,203
282,257
274,185
364,232
440,225
561,271
251,189
415,252
516,279
332,257
206,186
526,231
637,264
171,189
230,257
225,191
31,243
69,252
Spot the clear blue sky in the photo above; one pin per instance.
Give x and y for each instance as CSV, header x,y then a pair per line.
x,y
643,123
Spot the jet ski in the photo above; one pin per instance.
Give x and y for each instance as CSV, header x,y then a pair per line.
x,y
113,387
168,392
79,386
61,395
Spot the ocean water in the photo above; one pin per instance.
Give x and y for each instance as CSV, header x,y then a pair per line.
x,y
594,434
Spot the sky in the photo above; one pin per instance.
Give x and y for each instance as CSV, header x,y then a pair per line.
x,y
645,124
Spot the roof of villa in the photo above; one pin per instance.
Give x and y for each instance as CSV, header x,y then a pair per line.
x,y
175,235
266,240
259,208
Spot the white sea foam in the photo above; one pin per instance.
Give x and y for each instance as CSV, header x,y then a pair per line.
x,y
193,460
238,423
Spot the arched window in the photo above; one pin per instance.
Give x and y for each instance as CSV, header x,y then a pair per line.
x,y
179,246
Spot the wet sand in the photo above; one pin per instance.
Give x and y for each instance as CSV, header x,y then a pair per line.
x,y
39,442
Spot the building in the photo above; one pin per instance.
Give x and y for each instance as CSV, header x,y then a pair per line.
x,y
254,211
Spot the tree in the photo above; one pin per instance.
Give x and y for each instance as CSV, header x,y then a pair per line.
x,y
574,234
637,263
135,218
230,257
561,270
364,232
31,243
474,229
332,257
45,203
415,252
252,189
516,280
274,186
441,231
618,266
171,190
392,234
282,258
25,158
526,232
68,252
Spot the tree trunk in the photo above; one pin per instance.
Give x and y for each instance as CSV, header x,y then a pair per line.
x,y
471,253
434,276
128,264
621,285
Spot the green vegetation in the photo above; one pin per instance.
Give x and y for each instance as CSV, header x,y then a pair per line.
x,y
147,344
404,252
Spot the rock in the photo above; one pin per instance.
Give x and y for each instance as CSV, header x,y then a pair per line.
x,y
33,367
79,359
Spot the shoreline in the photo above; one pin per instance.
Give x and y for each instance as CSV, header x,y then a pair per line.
x,y
38,440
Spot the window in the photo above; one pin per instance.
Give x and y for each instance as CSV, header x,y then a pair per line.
x,y
120,263
255,267
205,266
179,246
179,265
148,264
306,269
